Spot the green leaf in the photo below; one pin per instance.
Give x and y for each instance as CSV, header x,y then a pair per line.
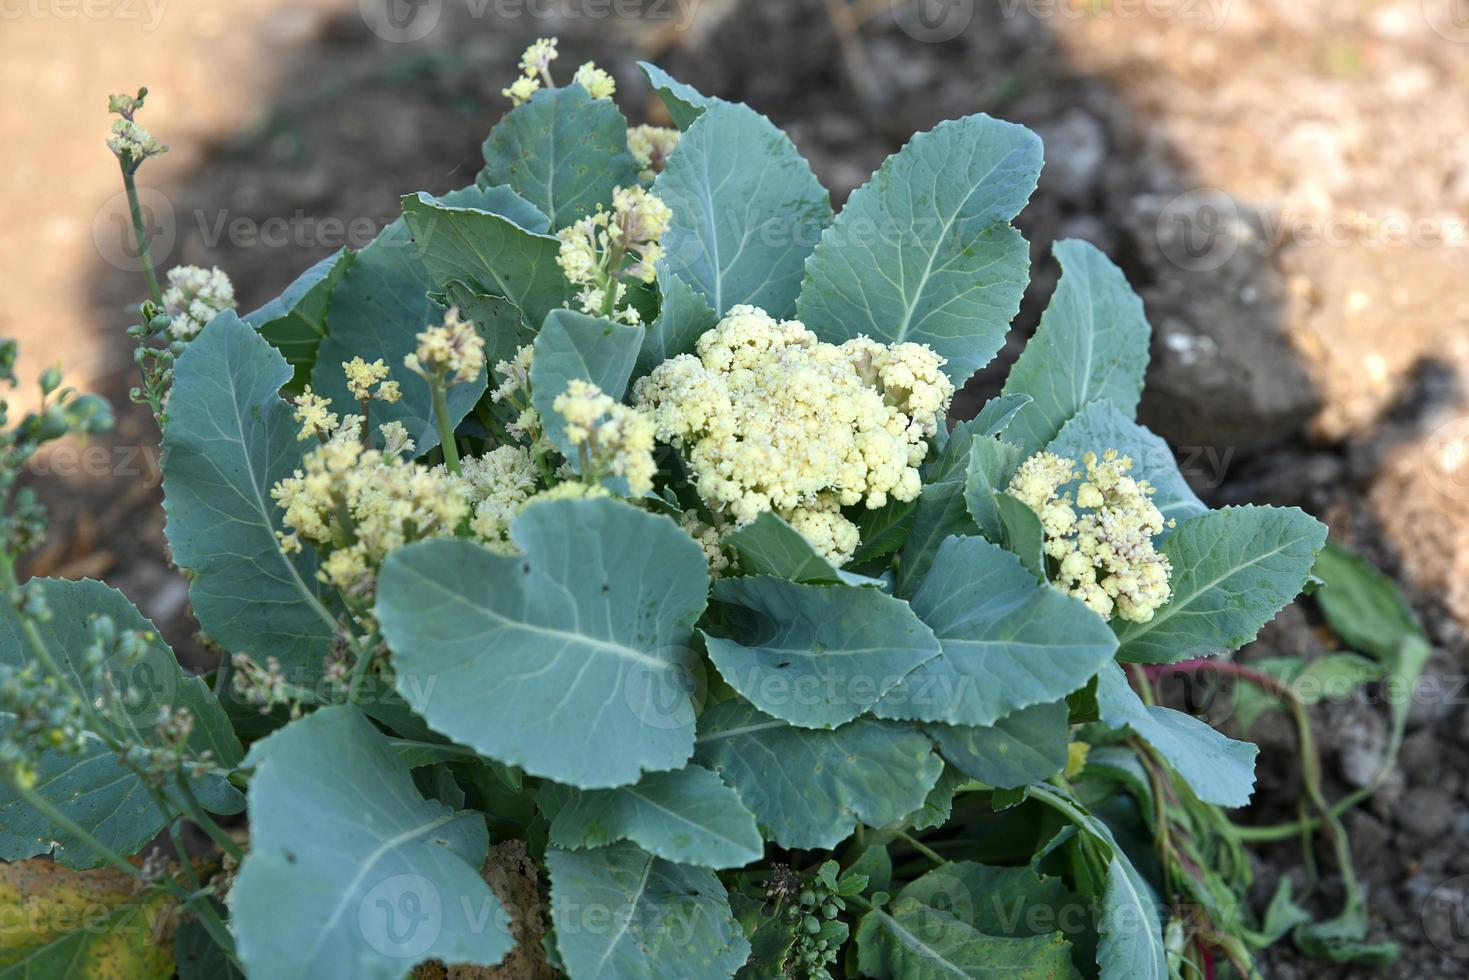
x,y
912,941
574,346
939,802
623,914
92,787
813,655
809,788
770,546
992,464
1099,427
229,439
1361,605
683,316
562,151
1092,343
998,413
924,251
197,956
883,530
684,102
997,901
295,321
488,252
351,873
571,660
1218,769
378,310
686,816
1023,748
1008,641
1233,570
1131,943
746,210
1022,535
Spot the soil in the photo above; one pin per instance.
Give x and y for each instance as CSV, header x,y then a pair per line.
x,y
1278,179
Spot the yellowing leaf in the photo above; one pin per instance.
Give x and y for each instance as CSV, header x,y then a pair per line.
x,y
82,925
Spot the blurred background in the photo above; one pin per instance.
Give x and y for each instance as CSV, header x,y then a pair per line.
x,y
1286,182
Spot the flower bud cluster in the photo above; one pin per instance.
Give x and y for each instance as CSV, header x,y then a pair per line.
x,y
771,419
453,353
602,249
613,440
1105,554
535,73
650,147
194,297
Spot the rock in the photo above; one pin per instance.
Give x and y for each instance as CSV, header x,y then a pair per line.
x,y
1426,813
1223,374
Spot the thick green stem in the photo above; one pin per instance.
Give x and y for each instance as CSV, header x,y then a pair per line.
x,y
446,427
922,848
140,232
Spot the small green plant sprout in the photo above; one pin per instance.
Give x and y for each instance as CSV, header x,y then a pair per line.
x,y
610,510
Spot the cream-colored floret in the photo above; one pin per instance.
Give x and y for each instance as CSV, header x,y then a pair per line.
x,y
315,415
771,419
520,91
194,296
597,82
613,439
362,377
1105,556
454,352
598,251
650,147
709,538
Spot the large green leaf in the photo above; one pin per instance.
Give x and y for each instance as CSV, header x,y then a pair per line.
x,y
295,321
913,941
229,439
351,873
1233,570
1218,769
809,788
746,210
1019,749
992,464
1131,935
1008,641
623,914
769,546
1092,343
378,310
571,660
684,102
682,316
687,816
999,901
575,346
816,656
92,787
924,251
1100,426
562,151
489,252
